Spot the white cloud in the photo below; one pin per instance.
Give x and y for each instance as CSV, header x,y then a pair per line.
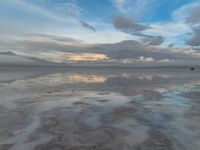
x,y
71,8
36,9
119,3
182,13
87,25
166,60
146,59
173,32
136,8
170,29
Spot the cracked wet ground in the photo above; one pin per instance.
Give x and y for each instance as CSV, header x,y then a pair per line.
x,y
100,110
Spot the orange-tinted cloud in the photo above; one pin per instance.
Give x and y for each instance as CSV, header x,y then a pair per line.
x,y
75,57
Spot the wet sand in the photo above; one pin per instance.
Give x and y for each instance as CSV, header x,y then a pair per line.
x,y
104,109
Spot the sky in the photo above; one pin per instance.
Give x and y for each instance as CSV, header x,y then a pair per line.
x,y
136,33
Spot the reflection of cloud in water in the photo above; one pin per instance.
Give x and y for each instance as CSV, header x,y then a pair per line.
x,y
116,80
145,77
9,76
108,106
69,78
78,78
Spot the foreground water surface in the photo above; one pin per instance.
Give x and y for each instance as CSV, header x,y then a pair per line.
x,y
99,109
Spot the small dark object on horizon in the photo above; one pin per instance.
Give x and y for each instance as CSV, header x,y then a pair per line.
x,y
192,69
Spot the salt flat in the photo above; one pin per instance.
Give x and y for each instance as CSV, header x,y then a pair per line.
x,y
100,109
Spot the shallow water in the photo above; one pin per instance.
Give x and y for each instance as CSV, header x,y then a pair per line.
x,y
103,109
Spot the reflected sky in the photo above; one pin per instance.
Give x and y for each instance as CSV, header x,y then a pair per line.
x,y
125,81
77,106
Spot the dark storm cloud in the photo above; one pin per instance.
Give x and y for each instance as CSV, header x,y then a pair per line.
x,y
133,50
131,27
193,20
45,43
128,49
154,40
171,45
56,38
195,39
115,52
194,16
127,25
86,25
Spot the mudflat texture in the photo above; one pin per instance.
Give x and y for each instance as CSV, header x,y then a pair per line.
x,y
100,109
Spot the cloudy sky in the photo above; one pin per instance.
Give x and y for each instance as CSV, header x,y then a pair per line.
x,y
101,32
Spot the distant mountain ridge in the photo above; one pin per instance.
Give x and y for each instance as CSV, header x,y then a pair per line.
x,y
7,53
10,59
